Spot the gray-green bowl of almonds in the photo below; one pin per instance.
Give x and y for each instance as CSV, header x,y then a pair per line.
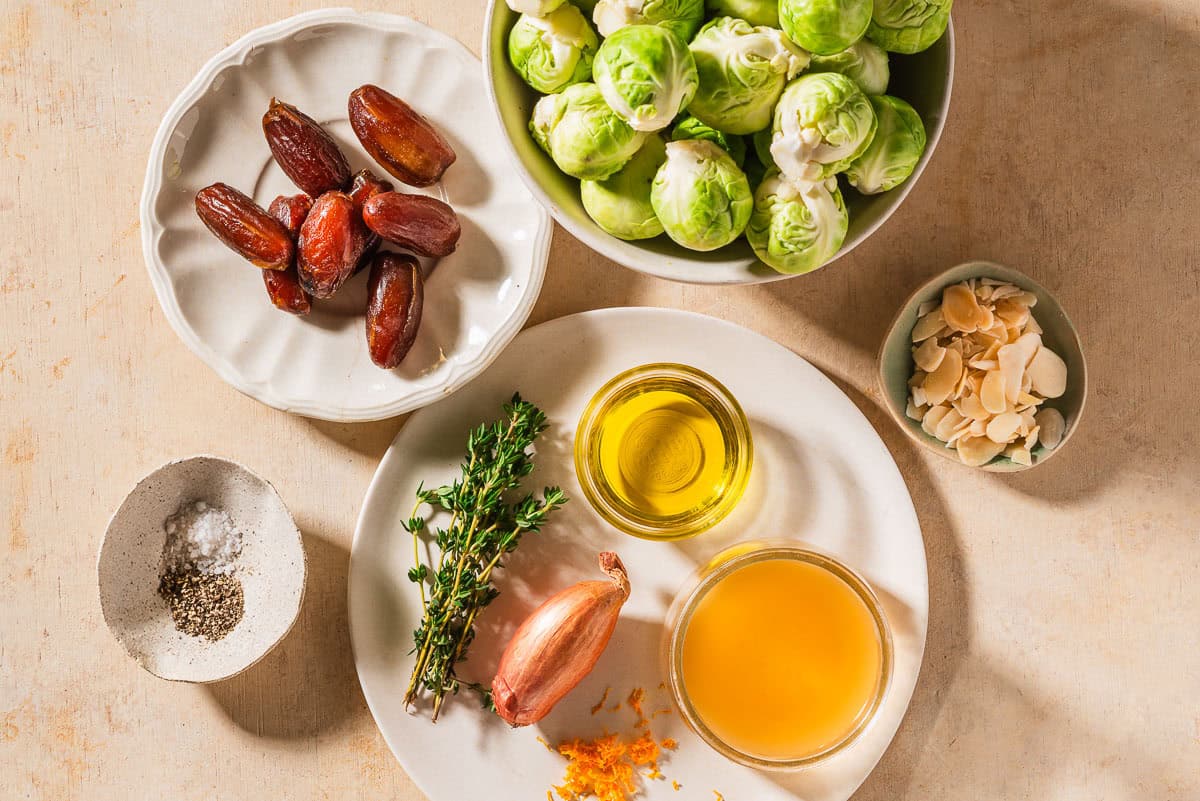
x,y
720,141
983,366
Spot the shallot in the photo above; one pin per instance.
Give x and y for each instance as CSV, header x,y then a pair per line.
x,y
558,645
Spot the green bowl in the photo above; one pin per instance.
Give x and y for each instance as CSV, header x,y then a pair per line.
x,y
924,80
896,362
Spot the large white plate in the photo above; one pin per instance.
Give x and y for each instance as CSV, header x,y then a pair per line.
x,y
821,475
475,300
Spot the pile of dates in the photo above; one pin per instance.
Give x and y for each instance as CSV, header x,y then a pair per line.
x,y
309,244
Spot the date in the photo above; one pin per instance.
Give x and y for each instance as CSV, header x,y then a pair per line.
x,y
395,296
283,286
304,150
363,186
332,239
424,225
400,139
244,226
291,210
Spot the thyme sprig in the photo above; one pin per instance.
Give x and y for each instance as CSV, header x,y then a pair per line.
x,y
486,523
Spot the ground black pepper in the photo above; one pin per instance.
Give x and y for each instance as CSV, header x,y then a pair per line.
x,y
208,605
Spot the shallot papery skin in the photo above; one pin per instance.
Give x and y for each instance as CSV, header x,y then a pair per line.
x,y
558,645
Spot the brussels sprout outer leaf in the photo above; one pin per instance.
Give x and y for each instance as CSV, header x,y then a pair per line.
x,y
742,71
700,196
864,62
646,74
620,204
797,228
552,52
824,27
894,152
908,26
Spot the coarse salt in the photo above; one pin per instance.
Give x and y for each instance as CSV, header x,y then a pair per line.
x,y
200,537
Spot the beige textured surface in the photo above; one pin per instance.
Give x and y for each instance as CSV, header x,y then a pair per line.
x,y
1063,657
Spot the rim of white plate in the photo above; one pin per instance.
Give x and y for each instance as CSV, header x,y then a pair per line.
x,y
619,251
375,487
457,374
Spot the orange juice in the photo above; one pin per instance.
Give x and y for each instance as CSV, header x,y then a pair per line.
x,y
782,659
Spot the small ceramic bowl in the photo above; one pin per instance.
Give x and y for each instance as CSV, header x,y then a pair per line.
x,y
896,362
925,80
271,568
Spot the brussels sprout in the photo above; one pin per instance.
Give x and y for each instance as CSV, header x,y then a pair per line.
x,y
554,51
894,152
824,27
587,139
646,74
546,114
743,70
620,204
863,62
536,8
756,12
908,26
822,123
700,196
796,228
692,128
682,17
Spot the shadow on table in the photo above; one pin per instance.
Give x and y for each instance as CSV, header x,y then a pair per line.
x,y
306,685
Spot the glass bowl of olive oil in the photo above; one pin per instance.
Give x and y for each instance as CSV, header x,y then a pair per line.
x,y
663,451
779,656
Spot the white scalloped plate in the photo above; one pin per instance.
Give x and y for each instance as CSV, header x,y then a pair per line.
x,y
476,300
821,475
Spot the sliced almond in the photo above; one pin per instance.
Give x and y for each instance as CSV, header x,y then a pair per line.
x,y
945,427
941,382
960,308
978,451
929,355
1003,427
918,396
928,325
932,418
992,393
926,307
985,364
915,412
1012,313
969,405
1027,298
1019,454
1052,426
1048,373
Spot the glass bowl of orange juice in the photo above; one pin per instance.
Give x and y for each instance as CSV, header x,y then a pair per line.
x,y
779,656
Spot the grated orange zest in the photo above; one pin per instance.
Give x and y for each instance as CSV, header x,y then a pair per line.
x,y
603,699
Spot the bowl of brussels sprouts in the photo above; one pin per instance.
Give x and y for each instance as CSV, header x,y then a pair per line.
x,y
720,141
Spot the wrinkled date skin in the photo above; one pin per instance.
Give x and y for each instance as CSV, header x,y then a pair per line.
x,y
396,136
364,186
395,295
242,224
332,239
291,210
424,225
283,286
304,151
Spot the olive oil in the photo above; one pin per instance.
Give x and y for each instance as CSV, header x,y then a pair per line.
x,y
782,659
663,451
